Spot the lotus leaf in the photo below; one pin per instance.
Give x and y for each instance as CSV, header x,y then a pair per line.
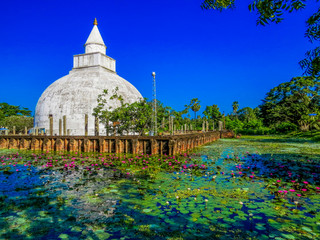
x,y
260,227
63,236
288,236
147,210
101,234
306,229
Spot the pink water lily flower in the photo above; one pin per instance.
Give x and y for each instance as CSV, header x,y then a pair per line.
x,y
292,190
305,182
303,189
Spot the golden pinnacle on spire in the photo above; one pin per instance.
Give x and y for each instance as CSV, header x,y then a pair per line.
x,y
95,22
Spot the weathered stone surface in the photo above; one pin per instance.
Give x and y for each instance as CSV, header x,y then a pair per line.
x,y
130,144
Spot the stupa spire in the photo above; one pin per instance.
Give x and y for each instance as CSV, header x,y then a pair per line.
x,y
95,42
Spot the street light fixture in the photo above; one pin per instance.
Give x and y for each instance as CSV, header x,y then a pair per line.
x,y
154,122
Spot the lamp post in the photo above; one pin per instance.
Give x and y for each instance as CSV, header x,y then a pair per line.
x,y
154,122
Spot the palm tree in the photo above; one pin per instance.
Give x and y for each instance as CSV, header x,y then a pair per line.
x,y
195,106
235,106
307,122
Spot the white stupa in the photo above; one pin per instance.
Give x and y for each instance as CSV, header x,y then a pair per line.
x,y
75,94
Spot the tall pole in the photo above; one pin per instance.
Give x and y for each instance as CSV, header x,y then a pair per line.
x,y
154,105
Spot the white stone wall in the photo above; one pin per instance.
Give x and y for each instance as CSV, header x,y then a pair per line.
x,y
76,94
91,48
94,59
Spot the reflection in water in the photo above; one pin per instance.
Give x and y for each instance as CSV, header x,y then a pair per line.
x,y
238,196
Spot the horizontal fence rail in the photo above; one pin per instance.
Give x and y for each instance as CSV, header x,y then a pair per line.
x,y
161,145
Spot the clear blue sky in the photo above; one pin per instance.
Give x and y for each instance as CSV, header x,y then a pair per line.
x,y
216,57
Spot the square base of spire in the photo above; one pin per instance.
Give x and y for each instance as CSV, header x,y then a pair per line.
x,y
94,59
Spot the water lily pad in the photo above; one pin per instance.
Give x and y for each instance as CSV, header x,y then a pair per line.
x,y
101,234
288,236
261,228
306,229
64,236
76,229
147,210
184,211
154,226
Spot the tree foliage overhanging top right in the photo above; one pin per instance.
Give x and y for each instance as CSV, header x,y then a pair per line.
x,y
271,11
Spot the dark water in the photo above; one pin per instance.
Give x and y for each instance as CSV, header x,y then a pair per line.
x,y
220,203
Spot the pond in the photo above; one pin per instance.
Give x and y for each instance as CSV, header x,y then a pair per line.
x,y
249,188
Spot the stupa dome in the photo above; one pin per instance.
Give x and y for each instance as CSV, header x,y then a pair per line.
x,y
75,94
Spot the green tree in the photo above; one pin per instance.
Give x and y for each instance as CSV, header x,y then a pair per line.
x,y
235,107
163,113
195,106
7,110
2,116
247,114
292,102
102,112
213,112
271,11
134,117
307,123
20,122
253,124
233,124
126,118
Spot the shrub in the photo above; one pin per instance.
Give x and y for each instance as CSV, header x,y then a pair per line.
x,y
254,124
234,125
286,127
260,131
